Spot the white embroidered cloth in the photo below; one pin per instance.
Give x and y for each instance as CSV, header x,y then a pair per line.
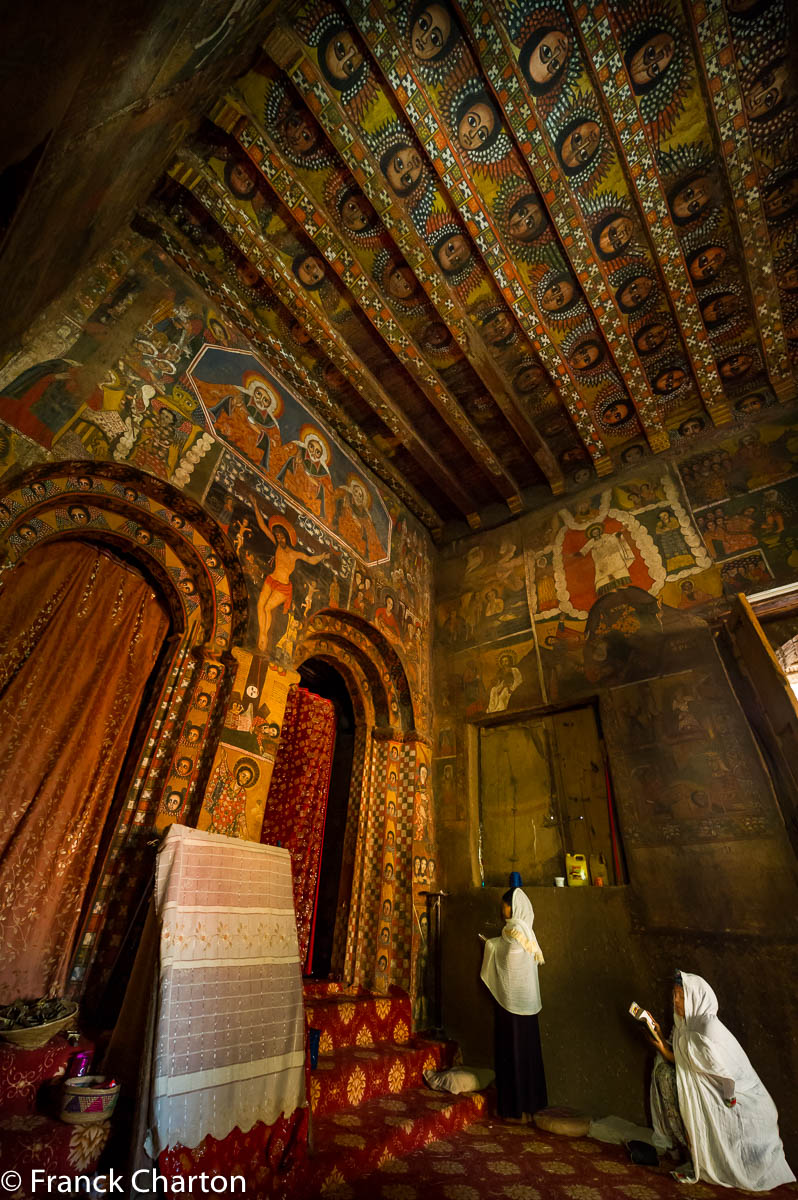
x,y
229,1037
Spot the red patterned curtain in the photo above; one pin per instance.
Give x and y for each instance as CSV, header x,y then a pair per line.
x,y
79,637
297,803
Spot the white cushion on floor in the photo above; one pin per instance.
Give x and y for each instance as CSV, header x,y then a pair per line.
x,y
459,1079
566,1121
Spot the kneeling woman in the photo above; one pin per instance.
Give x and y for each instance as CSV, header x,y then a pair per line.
x,y
510,971
730,1121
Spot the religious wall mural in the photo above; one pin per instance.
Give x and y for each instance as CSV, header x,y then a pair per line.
x,y
689,773
744,493
268,428
185,401
602,580
182,401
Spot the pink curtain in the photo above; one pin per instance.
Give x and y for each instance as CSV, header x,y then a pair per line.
x,y
297,803
79,636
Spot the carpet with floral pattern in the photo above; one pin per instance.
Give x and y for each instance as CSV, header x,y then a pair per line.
x,y
489,1160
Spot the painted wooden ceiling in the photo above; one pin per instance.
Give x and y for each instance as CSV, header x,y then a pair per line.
x,y
505,246
94,101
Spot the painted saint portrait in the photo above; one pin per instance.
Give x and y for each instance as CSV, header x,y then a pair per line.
x,y
689,198
266,427
650,336
612,234
543,58
527,218
648,58
433,30
577,144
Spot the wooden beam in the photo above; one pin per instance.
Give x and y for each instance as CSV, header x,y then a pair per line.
x,y
287,51
196,177
232,115
158,226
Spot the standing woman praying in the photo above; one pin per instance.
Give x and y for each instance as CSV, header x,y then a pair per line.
x,y
510,972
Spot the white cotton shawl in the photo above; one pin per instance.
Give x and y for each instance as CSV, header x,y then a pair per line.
x,y
736,1146
510,962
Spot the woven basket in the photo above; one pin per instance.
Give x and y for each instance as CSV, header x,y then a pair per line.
x,y
87,1100
33,1037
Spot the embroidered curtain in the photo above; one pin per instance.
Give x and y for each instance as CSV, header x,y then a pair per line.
x,y
297,803
79,637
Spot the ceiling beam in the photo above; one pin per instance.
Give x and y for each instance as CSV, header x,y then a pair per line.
x,y
287,50
193,174
712,37
232,116
157,225
470,185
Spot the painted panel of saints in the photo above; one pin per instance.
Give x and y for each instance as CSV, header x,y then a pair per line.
x,y
268,428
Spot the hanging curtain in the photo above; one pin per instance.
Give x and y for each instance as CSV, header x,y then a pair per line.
x,y
79,637
297,803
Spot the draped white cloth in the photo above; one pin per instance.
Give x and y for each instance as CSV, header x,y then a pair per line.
x,y
510,962
735,1145
229,1037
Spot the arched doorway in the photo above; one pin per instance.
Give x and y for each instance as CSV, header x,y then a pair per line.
x,y
180,549
377,932
85,634
334,889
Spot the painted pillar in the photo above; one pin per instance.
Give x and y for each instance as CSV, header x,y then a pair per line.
x,y
237,790
202,683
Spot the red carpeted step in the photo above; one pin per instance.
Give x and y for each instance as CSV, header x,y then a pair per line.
x,y
353,1075
360,1140
319,988
360,1019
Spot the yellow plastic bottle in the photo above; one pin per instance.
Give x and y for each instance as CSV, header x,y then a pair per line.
x,y
576,870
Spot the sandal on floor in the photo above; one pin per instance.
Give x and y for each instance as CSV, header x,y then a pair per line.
x,y
684,1173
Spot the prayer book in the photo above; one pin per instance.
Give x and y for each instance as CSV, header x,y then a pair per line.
x,y
641,1014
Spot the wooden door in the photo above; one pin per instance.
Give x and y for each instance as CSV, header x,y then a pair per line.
x,y
543,791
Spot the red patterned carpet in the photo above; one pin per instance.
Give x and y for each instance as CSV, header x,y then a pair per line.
x,y
491,1161
379,1134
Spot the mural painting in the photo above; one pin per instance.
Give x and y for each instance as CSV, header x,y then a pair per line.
x,y
602,580
685,733
603,586
745,496
425,877
450,792
176,800
309,527
489,598
238,787
263,424
93,402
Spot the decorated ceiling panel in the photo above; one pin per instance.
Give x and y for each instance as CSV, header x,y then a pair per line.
x,y
509,245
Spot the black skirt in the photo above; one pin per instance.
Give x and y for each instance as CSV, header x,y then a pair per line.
x,y
520,1078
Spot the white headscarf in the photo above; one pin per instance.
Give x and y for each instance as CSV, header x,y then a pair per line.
x,y
510,962
734,1144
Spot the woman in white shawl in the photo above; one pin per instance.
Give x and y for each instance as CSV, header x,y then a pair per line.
x,y
730,1120
510,972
